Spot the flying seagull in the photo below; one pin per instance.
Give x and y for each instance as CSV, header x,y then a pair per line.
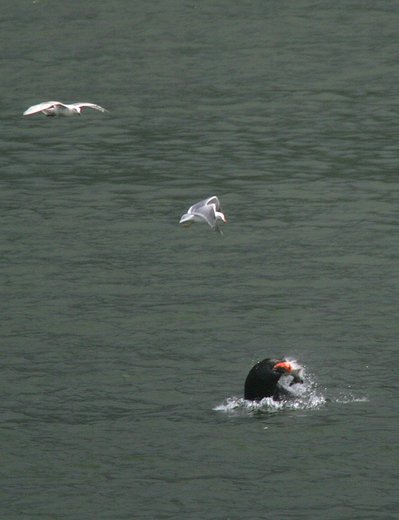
x,y
208,211
56,108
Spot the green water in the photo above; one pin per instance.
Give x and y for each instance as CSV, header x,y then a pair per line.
x,y
125,339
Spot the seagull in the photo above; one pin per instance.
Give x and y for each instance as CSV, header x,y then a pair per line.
x,y
208,211
56,108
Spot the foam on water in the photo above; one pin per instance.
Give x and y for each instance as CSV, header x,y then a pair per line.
x,y
303,397
306,396
345,399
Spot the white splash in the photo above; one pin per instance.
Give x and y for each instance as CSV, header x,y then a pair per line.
x,y
304,397
346,399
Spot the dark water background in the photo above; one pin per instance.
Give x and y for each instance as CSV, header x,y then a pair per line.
x,y
125,339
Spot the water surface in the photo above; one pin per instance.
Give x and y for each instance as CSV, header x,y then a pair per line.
x,y
125,339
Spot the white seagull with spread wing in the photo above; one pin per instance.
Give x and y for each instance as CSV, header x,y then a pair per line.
x,y
56,108
208,211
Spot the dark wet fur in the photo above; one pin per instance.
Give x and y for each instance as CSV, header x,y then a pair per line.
x,y
283,394
262,381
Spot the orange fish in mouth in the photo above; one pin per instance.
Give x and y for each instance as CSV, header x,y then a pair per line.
x,y
287,368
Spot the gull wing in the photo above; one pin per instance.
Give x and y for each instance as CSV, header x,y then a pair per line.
x,y
91,105
208,212
198,206
213,200
187,219
200,214
42,106
205,212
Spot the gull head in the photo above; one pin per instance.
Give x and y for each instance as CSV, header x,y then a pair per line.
x,y
220,216
75,109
